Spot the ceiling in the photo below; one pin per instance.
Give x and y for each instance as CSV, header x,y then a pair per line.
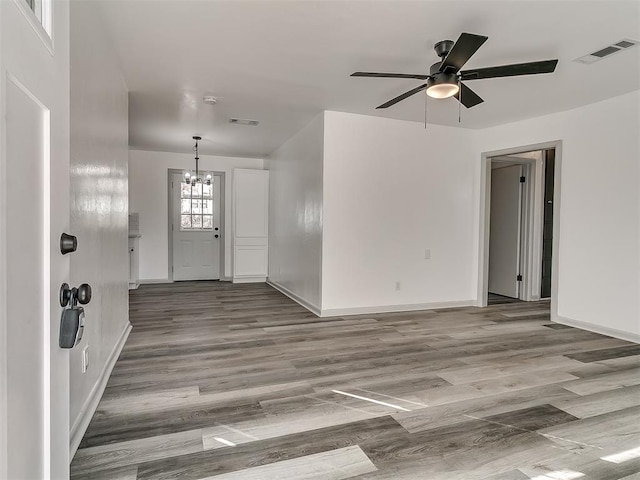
x,y
283,62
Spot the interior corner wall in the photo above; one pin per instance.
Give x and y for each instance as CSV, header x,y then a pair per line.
x,y
98,197
599,237
148,196
295,214
392,190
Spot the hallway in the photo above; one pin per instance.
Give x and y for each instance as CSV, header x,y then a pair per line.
x,y
239,381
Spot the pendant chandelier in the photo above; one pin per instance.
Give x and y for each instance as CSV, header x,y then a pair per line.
x,y
193,178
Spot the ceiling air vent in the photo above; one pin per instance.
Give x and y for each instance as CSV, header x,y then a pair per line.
x,y
607,51
244,121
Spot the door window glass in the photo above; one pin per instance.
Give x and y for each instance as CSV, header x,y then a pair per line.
x,y
196,207
42,10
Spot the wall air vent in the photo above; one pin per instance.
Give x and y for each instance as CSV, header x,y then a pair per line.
x,y
244,121
607,51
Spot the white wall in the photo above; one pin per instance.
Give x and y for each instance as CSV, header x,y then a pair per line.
x,y
599,251
391,190
148,196
295,214
99,160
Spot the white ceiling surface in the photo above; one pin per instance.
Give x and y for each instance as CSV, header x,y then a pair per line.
x,y
283,62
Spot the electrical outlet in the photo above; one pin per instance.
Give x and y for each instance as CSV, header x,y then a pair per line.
x,y
427,254
85,359
397,286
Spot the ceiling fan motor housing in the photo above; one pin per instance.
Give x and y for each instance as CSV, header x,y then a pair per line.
x,y
435,69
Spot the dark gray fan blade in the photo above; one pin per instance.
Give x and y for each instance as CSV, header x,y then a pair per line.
x,y
469,97
531,68
393,101
390,75
466,45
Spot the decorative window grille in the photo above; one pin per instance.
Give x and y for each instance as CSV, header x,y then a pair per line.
x,y
196,207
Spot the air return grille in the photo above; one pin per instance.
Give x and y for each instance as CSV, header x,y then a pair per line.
x,y
607,51
244,121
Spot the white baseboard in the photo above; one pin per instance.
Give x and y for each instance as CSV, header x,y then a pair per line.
x,y
610,332
147,281
332,312
249,279
91,403
296,298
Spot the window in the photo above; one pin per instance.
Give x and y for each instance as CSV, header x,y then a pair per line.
x,y
42,11
196,207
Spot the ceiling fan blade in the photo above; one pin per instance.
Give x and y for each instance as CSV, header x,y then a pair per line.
x,y
531,68
390,75
466,45
469,97
399,98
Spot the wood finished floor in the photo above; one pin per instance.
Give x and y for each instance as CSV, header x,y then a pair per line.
x,y
238,382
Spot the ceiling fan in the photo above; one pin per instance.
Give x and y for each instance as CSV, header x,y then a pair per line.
x,y
445,78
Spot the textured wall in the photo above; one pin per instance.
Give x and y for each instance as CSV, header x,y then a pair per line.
x,y
393,189
295,213
99,197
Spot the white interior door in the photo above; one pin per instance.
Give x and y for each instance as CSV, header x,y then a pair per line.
x,y
504,236
196,230
34,201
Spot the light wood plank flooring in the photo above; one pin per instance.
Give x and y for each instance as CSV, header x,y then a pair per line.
x,y
239,382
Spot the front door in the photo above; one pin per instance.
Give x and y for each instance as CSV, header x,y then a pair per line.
x,y
34,206
196,229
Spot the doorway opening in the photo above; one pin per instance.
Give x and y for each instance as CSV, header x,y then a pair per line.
x,y
519,225
196,228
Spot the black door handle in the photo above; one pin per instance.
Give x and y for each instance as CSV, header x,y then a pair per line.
x,y
81,294
216,236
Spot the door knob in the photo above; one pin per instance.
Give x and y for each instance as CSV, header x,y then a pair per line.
x,y
216,236
81,294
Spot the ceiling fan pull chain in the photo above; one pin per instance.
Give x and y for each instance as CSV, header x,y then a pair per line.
x,y
425,112
459,97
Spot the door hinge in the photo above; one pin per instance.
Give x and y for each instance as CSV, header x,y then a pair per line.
x,y
522,179
519,278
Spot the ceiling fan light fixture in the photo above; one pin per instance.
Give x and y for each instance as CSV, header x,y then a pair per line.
x,y
442,85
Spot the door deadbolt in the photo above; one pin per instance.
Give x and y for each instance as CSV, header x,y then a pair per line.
x,y
68,243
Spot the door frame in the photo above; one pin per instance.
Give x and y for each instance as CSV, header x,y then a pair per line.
x,y
484,214
170,172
